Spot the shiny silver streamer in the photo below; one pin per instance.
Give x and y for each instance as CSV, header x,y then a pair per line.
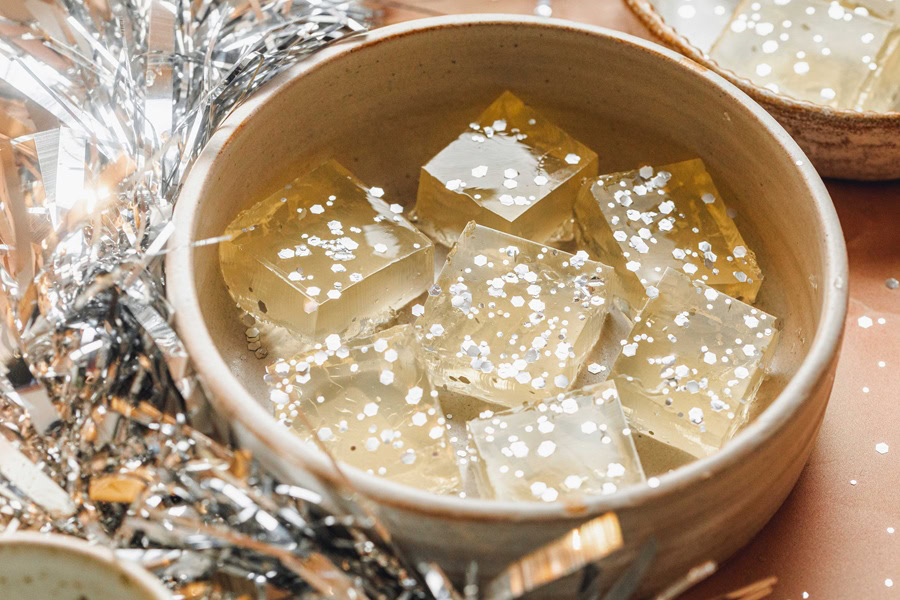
x,y
105,431
105,107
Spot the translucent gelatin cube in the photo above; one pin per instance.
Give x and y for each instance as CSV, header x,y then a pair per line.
x,y
513,171
511,321
888,10
882,90
816,51
646,220
574,444
690,368
370,402
324,255
700,21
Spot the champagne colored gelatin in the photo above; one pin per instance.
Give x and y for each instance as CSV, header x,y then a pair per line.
x,y
700,21
509,320
574,444
372,405
691,366
882,90
646,220
325,255
817,51
883,9
512,170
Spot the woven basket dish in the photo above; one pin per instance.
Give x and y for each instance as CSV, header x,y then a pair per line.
x,y
842,143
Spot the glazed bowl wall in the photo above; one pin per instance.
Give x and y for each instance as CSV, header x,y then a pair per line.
x,y
383,105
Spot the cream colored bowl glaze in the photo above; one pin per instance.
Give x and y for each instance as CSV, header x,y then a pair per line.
x,y
383,104
849,144
35,566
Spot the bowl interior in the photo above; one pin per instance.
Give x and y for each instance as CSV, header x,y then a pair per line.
x,y
385,106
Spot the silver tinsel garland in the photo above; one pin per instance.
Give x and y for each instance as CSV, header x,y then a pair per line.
x,y
106,432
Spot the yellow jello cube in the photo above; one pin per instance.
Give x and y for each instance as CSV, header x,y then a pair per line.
x,y
510,321
574,444
882,90
690,368
699,21
888,10
513,171
641,222
822,52
370,402
324,255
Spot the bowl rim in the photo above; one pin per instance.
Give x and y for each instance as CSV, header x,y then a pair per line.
x,y
237,404
102,555
657,26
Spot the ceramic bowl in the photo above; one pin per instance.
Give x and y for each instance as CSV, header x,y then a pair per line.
x,y
34,565
385,103
848,144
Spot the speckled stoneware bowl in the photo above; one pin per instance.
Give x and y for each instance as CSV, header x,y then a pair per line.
x,y
40,567
848,144
382,105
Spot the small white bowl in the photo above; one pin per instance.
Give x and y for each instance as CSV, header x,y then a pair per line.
x,y
36,566
386,102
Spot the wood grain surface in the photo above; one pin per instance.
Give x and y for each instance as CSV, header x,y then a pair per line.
x,y
833,538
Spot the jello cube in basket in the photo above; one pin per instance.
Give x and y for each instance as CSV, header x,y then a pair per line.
x,y
822,52
699,21
882,90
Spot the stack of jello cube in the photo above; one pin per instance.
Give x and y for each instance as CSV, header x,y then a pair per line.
x,y
543,255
